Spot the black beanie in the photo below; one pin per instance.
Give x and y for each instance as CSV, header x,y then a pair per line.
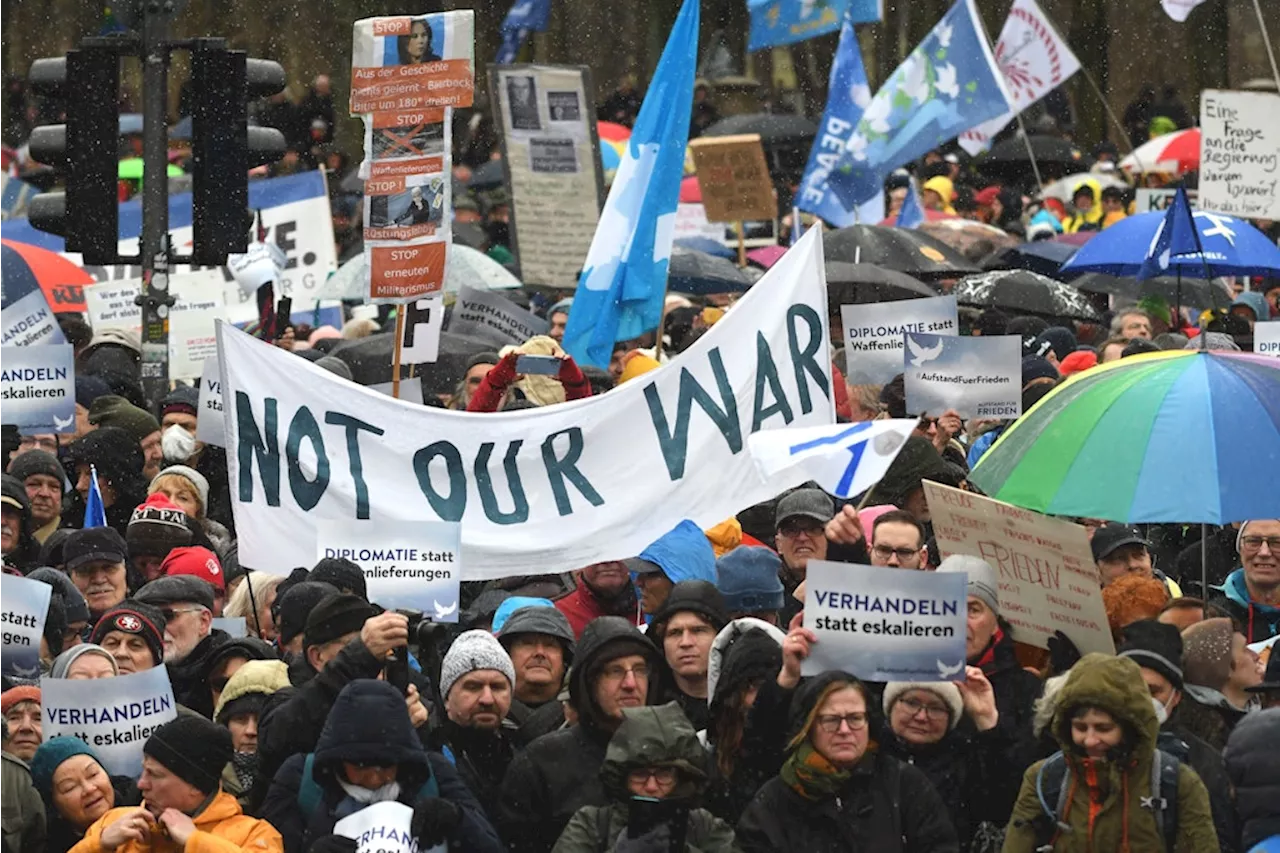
x,y
37,462
134,617
295,605
336,616
193,749
343,574
1154,645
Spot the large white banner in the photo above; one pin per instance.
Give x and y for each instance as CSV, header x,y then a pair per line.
x,y
115,716
537,490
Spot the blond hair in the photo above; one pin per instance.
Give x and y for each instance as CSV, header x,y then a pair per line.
x,y
241,604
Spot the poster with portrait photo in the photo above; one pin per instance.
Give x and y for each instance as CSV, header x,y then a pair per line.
x,y
522,102
564,107
420,203
410,62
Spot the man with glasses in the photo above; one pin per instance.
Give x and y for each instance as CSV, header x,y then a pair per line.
x,y
801,522
897,541
48,442
186,602
1252,592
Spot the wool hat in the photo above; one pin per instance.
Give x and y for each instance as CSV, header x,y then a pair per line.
x,y
748,579
486,357
1078,362
49,758
94,543
115,411
335,617
37,462
1156,646
295,605
809,503
117,455
63,662
248,689
196,479
193,749
1059,340
511,605
197,562
343,574
1206,653
134,617
1037,367
171,589
76,608
983,582
473,650
248,648
183,398
536,619
944,690
16,695
90,388
156,527
53,551
693,596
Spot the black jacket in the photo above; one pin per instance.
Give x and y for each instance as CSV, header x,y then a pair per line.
x,y
1016,692
369,723
1253,765
189,679
1208,764
886,807
481,757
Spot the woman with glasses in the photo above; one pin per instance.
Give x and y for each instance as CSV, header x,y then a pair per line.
x,y
653,773
837,791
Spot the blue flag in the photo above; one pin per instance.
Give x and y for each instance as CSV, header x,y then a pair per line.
x,y
524,17
778,22
911,214
847,95
948,84
624,278
1177,235
95,514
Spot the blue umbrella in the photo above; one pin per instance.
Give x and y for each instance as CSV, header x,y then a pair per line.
x,y
1231,247
1045,257
706,244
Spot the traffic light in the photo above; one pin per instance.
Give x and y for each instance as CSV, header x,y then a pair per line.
x,y
224,147
85,150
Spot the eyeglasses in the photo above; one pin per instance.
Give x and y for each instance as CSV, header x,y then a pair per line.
x,y
619,673
884,552
933,712
1255,543
169,612
830,723
792,529
642,775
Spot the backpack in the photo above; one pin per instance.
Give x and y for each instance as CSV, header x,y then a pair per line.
x,y
310,793
1053,783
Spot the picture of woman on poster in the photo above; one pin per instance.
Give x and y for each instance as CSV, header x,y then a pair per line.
x,y
416,46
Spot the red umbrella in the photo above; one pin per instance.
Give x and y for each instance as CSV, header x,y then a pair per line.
x,y
61,281
690,190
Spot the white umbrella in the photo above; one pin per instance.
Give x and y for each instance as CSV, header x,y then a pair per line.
x,y
466,266
1064,187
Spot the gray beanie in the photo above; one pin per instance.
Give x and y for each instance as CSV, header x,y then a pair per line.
x,y
474,650
537,619
983,582
63,662
944,690
196,479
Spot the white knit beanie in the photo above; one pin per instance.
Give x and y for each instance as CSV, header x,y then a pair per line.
x,y
474,650
944,690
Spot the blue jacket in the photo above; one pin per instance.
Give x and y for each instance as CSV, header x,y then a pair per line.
x,y
1260,621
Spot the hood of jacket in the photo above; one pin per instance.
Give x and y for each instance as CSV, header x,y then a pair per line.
x,y
1253,765
256,676
1114,685
369,723
1094,213
1236,590
1256,302
684,553
727,641
606,638
655,736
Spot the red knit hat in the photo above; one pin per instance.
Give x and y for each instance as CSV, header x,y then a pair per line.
x,y
196,561
1078,362
14,695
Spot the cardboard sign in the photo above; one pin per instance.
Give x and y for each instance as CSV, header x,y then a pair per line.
x,y
978,377
38,387
209,426
1240,153
734,178
115,716
24,605
414,565
382,828
1048,580
1266,338
885,624
491,316
873,333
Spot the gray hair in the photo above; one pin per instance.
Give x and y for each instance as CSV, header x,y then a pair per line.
x,y
1117,322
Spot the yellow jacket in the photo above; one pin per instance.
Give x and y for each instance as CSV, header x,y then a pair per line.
x,y
1093,216
221,828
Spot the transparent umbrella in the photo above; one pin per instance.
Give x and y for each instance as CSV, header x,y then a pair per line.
x,y
466,266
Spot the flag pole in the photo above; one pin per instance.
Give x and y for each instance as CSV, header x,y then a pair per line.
x,y
1266,42
1035,167
742,243
395,358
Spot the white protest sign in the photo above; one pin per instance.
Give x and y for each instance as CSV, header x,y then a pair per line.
x,y
1048,580
544,490
1266,338
413,565
410,389
873,334
1149,199
885,624
263,263
1240,153
381,828
978,377
115,716
491,316
844,459
423,320
29,320
234,626
210,427
691,221
38,387
24,604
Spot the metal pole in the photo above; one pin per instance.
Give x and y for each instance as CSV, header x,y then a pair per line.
x,y
1266,42
154,249
1031,155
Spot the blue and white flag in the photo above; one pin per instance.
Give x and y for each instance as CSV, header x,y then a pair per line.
x,y
95,512
847,95
1177,235
844,459
624,279
778,22
524,17
948,84
911,214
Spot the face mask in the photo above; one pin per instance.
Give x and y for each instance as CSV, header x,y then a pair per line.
x,y
177,444
1162,713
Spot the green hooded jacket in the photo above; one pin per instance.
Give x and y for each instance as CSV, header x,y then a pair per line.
x,y
651,736
1114,786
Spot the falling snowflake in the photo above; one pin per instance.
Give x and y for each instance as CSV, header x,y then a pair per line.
x,y
946,83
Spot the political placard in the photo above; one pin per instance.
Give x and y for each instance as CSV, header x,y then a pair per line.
x,y
490,316
423,320
413,565
1240,153
873,341
885,624
551,161
209,424
691,221
382,828
115,715
1048,580
1266,338
25,315
539,490
38,386
1158,198
978,377
24,604
734,178
402,62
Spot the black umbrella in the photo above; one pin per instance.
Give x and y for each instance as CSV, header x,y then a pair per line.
x,y
1193,292
1024,292
1043,256
370,360
850,284
1049,150
486,176
901,249
773,128
691,271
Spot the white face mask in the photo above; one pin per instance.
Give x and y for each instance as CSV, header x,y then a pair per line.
x,y
177,444
1162,713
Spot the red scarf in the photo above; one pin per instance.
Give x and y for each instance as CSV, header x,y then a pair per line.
x,y
989,656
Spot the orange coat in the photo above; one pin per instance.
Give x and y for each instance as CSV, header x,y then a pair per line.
x,y
220,828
